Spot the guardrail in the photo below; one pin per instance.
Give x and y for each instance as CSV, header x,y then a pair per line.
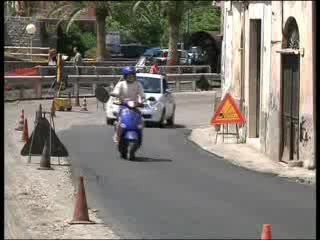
x,y
27,51
177,82
112,70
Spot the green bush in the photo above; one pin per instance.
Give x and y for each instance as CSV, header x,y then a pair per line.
x,y
91,53
88,40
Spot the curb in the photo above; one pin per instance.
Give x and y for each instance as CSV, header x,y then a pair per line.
x,y
301,180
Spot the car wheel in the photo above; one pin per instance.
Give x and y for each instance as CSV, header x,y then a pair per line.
x,y
162,119
170,121
109,121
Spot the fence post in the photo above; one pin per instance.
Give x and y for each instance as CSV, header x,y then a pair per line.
x,y
194,85
38,88
76,87
194,69
177,85
21,92
94,85
179,70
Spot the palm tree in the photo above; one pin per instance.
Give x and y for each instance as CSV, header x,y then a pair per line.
x,y
23,8
71,10
174,11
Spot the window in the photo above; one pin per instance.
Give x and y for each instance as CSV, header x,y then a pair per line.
x,y
150,85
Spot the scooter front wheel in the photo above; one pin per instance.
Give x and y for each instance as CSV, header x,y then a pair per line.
x,y
132,147
123,150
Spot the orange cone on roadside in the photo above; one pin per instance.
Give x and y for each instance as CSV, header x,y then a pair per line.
x,y
21,122
25,132
81,214
266,232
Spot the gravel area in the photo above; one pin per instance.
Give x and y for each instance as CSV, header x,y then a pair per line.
x,y
40,203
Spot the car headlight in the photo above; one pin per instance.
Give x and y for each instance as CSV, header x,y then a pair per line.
x,y
156,106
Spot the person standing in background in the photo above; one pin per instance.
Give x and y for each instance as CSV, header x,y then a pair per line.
x,y
77,61
52,60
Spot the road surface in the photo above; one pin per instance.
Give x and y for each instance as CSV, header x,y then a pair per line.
x,y
177,190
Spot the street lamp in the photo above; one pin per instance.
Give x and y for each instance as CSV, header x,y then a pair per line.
x,y
31,29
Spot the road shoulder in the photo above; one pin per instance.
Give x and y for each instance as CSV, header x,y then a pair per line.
x,y
243,155
40,204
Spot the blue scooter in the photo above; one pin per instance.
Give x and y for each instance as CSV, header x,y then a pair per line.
x,y
131,126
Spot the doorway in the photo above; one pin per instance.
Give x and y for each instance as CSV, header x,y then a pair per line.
x,y
290,93
290,113
254,78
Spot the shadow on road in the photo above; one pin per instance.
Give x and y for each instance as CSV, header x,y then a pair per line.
x,y
176,126
73,111
145,159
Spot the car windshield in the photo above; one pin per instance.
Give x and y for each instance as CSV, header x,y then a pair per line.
x,y
150,85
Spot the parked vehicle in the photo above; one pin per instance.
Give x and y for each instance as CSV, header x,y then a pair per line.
x,y
152,52
162,56
159,106
144,61
132,50
197,56
182,55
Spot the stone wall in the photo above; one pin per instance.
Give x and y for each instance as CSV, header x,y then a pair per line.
x,y
15,32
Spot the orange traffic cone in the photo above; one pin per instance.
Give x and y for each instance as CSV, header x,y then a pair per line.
x,y
84,105
25,132
81,214
266,232
21,122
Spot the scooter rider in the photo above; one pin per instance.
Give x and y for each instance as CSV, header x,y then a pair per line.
x,y
129,89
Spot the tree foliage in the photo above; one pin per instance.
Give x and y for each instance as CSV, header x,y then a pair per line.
x,y
145,22
149,25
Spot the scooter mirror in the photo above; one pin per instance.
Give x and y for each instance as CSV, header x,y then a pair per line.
x,y
152,99
102,94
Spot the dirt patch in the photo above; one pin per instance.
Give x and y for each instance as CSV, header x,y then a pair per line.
x,y
40,204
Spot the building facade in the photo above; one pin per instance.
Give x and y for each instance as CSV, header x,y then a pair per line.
x,y
268,66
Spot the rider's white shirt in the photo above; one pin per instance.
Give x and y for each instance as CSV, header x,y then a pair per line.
x,y
129,91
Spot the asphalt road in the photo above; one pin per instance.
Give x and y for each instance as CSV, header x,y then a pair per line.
x,y
177,190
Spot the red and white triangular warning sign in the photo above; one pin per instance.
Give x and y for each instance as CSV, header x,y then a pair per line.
x,y
228,112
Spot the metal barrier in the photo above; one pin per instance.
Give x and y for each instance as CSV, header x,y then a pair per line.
x,y
178,82
111,70
25,51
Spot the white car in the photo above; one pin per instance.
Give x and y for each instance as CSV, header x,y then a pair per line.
x,y
159,106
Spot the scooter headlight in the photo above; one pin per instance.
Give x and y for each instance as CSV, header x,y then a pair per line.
x,y
122,125
131,104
